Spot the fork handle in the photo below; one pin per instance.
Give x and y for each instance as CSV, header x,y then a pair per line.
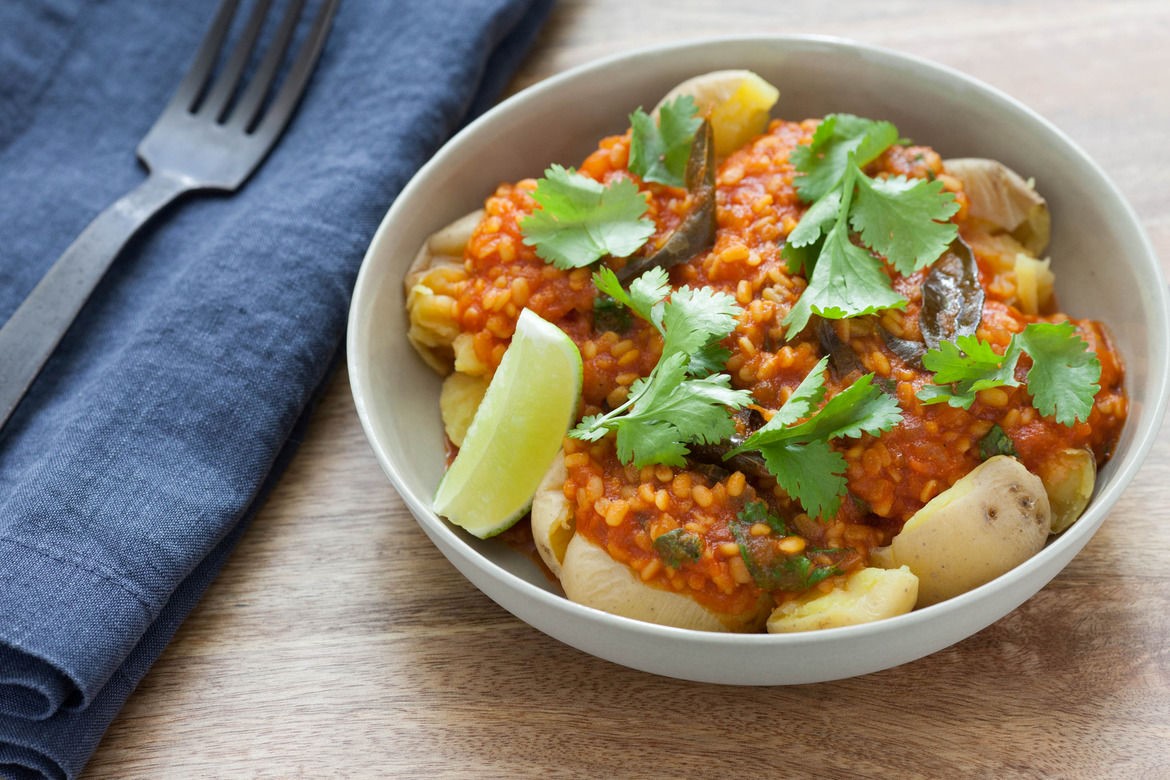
x,y
42,319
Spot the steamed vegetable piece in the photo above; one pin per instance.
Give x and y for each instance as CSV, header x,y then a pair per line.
x,y
736,102
987,523
867,595
437,269
999,195
591,577
552,517
1069,477
459,398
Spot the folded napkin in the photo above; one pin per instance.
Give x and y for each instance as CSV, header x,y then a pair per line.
x,y
127,474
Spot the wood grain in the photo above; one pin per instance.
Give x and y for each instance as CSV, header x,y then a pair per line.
x,y
338,643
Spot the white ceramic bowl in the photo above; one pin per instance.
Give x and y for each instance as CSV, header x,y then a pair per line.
x,y
560,120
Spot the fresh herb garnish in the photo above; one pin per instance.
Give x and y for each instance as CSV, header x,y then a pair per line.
x,y
798,454
757,512
659,152
608,314
1062,379
580,220
996,442
682,401
897,218
679,546
769,566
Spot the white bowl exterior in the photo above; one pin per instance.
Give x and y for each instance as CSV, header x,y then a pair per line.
x,y
1105,268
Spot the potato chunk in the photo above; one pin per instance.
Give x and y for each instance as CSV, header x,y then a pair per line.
x,y
552,516
590,577
987,523
431,287
1069,477
868,595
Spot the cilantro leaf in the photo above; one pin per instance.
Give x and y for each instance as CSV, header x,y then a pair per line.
x,y
769,567
838,137
902,219
757,512
580,220
1063,379
807,395
608,314
645,295
845,282
996,442
965,366
811,471
692,316
899,219
798,453
670,410
678,546
816,221
660,152
682,401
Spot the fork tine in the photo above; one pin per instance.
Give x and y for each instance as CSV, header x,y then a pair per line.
x,y
253,97
226,83
192,84
280,110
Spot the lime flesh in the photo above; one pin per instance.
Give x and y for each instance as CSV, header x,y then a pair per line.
x,y
516,432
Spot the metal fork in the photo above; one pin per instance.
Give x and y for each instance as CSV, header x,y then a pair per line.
x,y
203,140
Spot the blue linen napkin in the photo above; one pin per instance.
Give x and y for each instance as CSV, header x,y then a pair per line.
x,y
129,471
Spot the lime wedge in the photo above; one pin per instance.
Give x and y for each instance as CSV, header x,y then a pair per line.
x,y
516,432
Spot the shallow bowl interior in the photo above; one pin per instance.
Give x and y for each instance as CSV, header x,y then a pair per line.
x,y
561,120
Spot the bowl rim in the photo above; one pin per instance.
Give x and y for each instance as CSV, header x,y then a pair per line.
x,y
450,541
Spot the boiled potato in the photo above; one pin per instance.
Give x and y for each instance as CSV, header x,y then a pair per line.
x,y
1034,282
552,516
736,102
459,398
1069,477
868,595
990,521
1002,197
590,577
435,274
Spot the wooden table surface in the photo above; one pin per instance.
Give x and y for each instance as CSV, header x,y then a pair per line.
x,y
338,642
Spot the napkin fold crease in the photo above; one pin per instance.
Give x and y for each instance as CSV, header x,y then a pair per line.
x,y
130,470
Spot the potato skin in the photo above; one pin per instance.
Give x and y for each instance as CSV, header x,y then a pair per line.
x,y
987,523
439,261
1069,477
590,577
552,516
867,595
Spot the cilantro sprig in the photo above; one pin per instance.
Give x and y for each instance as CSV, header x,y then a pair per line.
x,y
903,220
682,401
659,151
769,567
798,453
581,220
1062,380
